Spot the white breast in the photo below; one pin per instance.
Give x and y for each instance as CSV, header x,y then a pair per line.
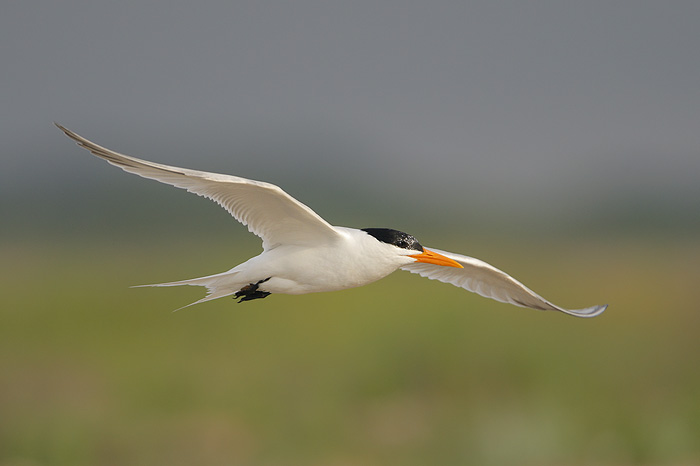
x,y
355,259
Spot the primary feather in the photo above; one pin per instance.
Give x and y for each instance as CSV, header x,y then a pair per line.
x,y
264,208
486,280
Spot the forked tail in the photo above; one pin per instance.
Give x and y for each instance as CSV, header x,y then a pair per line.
x,y
218,286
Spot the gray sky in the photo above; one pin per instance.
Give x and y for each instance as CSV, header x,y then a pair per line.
x,y
538,106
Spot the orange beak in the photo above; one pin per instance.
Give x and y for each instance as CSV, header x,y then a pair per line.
x,y
430,257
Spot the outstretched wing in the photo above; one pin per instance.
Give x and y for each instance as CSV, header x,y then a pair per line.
x,y
479,277
264,208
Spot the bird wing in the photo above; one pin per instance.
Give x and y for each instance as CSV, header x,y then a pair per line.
x,y
264,208
488,281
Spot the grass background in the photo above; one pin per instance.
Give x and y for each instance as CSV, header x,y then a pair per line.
x,y
404,371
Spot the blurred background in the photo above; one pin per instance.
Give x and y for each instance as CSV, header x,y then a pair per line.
x,y
558,141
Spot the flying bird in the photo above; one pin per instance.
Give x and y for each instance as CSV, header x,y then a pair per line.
x,y
302,253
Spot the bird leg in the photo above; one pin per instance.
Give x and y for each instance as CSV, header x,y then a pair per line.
x,y
251,291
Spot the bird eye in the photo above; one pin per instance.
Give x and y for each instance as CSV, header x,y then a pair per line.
x,y
402,244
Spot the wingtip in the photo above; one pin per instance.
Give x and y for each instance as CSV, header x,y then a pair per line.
x,y
592,311
65,130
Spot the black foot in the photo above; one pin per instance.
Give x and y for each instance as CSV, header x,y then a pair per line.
x,y
251,291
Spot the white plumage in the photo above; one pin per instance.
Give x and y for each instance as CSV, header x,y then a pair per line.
x,y
302,253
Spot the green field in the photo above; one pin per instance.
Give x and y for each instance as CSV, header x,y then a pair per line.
x,y
406,371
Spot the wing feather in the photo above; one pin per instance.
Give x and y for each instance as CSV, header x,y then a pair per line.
x,y
488,281
264,208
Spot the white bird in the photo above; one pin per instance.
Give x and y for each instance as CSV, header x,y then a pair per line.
x,y
302,253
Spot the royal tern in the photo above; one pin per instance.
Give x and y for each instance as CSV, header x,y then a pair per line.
x,y
302,253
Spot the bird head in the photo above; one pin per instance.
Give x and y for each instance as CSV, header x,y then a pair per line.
x,y
408,245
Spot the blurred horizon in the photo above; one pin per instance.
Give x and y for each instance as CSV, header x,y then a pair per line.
x,y
351,192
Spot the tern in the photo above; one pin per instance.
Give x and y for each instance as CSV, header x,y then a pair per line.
x,y
302,253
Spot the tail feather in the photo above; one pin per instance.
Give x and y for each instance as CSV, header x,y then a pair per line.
x,y
218,286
